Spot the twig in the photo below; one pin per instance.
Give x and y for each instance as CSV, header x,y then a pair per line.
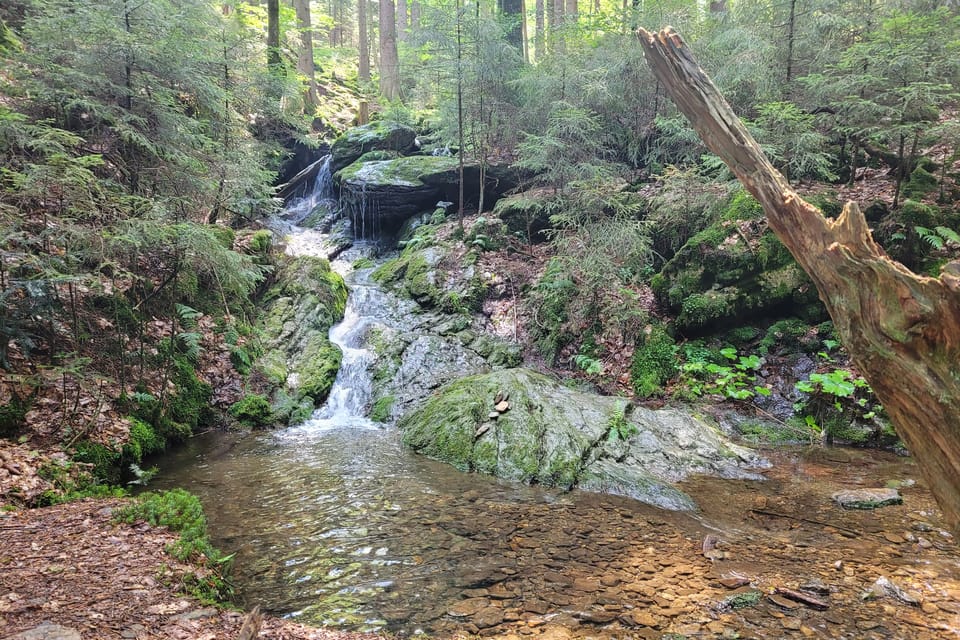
x,y
764,512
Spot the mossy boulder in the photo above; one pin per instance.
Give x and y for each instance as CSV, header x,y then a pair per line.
x,y
734,270
419,273
551,434
376,136
299,360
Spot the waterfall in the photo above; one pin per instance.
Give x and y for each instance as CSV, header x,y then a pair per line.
x,y
320,194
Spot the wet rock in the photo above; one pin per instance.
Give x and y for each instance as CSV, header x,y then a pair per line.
x,y
598,616
488,617
867,498
734,582
886,587
48,631
558,436
467,608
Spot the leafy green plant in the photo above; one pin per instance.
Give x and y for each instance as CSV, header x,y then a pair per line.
x,y
590,365
836,402
735,381
618,427
938,237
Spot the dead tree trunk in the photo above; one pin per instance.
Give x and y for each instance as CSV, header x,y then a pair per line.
x,y
902,329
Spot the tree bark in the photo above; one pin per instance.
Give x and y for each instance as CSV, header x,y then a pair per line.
x,y
902,329
401,20
273,36
512,12
389,61
305,63
363,48
539,32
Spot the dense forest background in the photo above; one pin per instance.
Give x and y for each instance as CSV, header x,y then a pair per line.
x,y
140,144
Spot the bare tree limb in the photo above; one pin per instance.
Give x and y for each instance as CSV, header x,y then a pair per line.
x,y
902,329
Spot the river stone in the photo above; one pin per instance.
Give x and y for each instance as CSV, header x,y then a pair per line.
x,y
560,436
867,498
48,631
488,617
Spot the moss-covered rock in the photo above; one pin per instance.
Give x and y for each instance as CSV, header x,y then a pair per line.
x,y
554,435
298,358
735,269
376,136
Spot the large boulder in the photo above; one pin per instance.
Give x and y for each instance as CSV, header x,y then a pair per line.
x,y
377,136
551,434
380,194
734,270
299,360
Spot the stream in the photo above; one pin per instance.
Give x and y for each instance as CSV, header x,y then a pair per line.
x,y
335,523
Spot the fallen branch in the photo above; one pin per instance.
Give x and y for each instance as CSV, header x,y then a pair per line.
x,y
774,514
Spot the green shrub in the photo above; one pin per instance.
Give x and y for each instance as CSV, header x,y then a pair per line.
x,y
253,411
105,461
654,362
261,242
144,440
12,416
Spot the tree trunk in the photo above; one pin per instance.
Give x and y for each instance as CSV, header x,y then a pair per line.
x,y
414,15
571,10
389,62
512,13
539,33
401,20
305,64
902,330
273,35
363,48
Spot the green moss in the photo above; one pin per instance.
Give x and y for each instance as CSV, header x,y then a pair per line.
x,y
743,206
144,440
654,362
225,235
253,411
380,412
786,334
460,409
921,183
380,154
261,241
104,460
412,171
181,512
317,370
710,307
916,214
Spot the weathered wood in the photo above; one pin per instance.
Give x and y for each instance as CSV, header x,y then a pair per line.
x,y
902,329
288,188
251,625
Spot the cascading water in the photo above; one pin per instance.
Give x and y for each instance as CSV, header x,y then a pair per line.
x,y
350,395
320,193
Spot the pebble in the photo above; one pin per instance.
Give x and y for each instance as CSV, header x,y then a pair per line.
x,y
488,617
792,624
645,619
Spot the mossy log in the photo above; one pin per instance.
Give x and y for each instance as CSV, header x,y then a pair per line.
x,y
902,329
